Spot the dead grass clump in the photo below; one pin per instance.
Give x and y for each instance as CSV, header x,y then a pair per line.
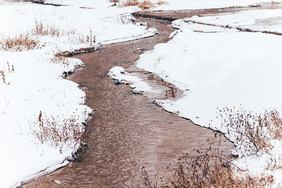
x,y
66,133
114,1
252,132
161,3
41,29
146,4
90,38
2,74
18,43
202,171
60,60
208,168
131,3
10,69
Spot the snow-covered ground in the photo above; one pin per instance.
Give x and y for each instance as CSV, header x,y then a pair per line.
x,y
136,83
219,68
34,97
256,20
168,4
207,4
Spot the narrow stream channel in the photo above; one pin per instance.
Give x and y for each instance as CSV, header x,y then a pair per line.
x,y
127,131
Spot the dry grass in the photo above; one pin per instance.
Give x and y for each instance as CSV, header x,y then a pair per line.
x,y
60,60
201,172
57,134
18,43
144,5
252,132
2,74
10,69
41,29
114,1
129,3
208,168
161,3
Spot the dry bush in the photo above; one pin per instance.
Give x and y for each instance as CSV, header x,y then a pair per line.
x,y
208,168
161,3
146,4
90,38
18,43
60,60
203,171
2,74
252,132
66,133
114,1
10,69
41,29
131,3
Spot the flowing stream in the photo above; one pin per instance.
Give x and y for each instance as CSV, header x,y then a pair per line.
x,y
127,132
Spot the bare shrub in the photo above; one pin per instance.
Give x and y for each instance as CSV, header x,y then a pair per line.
x,y
114,1
90,38
130,3
146,4
18,43
41,29
60,60
59,134
3,77
201,172
161,3
252,132
10,69
208,168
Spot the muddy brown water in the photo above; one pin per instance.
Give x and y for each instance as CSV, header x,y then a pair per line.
x,y
127,131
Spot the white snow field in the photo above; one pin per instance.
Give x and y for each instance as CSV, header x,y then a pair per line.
x,y
34,96
220,68
170,4
257,20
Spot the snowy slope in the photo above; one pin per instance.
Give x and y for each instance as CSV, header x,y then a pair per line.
x,y
221,68
33,92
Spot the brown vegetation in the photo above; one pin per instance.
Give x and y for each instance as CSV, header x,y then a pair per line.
x,y
41,29
18,43
209,169
145,4
10,69
253,131
58,134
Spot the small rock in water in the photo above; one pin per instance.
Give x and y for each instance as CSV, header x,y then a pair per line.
x,y
117,82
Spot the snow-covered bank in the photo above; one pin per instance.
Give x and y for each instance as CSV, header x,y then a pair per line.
x,y
219,68
137,84
38,106
207,4
256,20
168,4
